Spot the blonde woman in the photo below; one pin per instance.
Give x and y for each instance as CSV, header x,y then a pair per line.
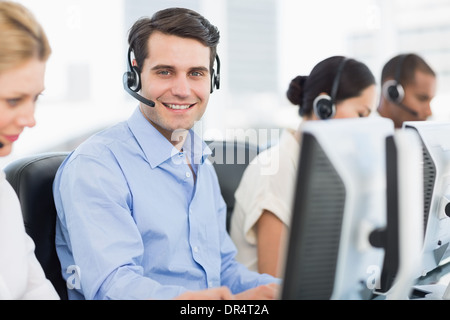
x,y
24,50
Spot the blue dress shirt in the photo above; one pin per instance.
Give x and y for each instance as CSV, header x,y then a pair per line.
x,y
134,224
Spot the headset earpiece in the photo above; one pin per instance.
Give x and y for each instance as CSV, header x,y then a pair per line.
x,y
215,77
132,82
132,78
393,91
324,105
135,79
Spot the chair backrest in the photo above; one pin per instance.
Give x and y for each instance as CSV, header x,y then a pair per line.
x,y
230,158
32,179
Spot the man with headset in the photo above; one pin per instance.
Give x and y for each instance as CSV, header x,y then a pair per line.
x,y
140,213
408,86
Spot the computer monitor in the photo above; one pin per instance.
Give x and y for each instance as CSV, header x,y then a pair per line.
x,y
435,138
404,179
338,235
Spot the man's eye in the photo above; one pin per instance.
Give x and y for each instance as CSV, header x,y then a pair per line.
x,y
164,72
197,74
13,102
363,114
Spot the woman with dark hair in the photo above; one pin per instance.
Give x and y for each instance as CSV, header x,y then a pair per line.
x,y
337,87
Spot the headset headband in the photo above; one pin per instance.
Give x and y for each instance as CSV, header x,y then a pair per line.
x,y
398,71
337,79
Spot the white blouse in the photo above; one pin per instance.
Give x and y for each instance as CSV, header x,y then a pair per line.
x,y
267,184
21,274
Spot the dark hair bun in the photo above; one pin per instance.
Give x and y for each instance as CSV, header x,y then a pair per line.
x,y
295,91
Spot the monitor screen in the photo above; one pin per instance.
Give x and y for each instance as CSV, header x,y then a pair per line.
x,y
338,234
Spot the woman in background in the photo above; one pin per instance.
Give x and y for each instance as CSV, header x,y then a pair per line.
x,y
337,87
24,51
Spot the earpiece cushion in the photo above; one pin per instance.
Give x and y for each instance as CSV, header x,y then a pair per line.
x,y
324,107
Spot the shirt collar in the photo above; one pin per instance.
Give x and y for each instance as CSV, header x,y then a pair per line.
x,y
151,140
196,147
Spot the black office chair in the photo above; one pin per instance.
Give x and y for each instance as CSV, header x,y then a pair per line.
x,y
230,158
32,179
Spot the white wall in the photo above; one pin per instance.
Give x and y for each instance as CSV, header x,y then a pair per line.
x,y
84,34
90,35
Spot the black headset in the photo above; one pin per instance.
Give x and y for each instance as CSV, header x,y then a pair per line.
x,y
324,105
393,89
215,76
132,80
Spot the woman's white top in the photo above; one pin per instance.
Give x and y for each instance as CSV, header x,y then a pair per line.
x,y
267,184
21,274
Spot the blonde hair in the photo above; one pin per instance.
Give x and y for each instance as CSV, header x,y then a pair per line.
x,y
21,36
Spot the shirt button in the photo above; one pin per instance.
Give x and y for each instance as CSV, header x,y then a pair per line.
x,y
210,284
195,249
188,174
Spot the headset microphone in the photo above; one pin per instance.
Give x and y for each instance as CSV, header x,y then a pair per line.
x,y
407,109
132,82
1,145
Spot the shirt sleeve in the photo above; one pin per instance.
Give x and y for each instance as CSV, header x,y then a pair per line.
x,y
267,184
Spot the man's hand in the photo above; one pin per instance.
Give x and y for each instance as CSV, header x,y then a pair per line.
x,y
221,293
263,292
